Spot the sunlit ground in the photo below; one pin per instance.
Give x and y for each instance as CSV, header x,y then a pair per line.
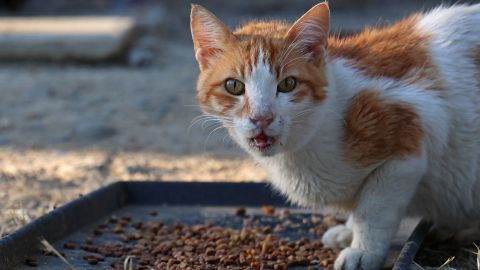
x,y
35,181
68,129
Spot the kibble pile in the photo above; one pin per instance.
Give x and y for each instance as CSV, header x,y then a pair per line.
x,y
155,245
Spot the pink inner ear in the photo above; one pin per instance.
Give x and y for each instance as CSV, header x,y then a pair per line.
x,y
204,54
312,29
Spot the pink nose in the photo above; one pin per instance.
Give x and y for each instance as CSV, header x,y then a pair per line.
x,y
263,121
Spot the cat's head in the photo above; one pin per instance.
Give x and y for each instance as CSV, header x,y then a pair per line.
x,y
265,80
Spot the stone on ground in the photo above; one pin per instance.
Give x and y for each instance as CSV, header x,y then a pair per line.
x,y
65,38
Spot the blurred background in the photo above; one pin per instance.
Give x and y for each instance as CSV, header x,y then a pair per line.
x,y
96,91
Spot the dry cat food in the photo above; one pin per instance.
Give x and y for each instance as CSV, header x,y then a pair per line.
x,y
274,240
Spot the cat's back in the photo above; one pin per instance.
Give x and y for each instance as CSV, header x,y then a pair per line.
x,y
430,46
454,44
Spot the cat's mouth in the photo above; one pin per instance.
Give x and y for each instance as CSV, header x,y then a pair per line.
x,y
262,141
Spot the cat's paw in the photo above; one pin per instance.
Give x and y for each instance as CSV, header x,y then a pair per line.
x,y
357,259
339,236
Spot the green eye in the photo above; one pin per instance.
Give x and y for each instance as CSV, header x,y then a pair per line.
x,y
287,85
234,87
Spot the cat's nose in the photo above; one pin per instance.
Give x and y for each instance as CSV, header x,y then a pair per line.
x,y
262,121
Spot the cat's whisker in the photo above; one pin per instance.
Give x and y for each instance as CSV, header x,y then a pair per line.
x,y
295,60
207,118
194,121
303,112
291,47
204,121
286,52
210,134
227,139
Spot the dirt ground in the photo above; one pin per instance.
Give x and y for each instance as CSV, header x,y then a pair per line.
x,y
69,128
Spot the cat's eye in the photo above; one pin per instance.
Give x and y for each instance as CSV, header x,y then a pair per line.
x,y
287,85
234,87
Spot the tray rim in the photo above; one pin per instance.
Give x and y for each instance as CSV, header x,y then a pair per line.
x,y
21,243
24,241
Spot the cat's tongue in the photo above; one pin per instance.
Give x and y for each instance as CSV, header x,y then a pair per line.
x,y
262,141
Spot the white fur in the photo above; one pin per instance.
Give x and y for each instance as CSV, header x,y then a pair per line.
x,y
442,184
339,236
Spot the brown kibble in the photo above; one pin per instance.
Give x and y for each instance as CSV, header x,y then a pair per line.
x,y
330,220
318,231
189,248
268,210
97,232
125,238
144,261
31,262
113,219
118,229
209,252
137,225
88,240
89,248
212,259
327,261
209,246
124,220
69,245
240,212
92,261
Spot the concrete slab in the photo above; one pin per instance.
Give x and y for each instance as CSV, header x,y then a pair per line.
x,y
62,38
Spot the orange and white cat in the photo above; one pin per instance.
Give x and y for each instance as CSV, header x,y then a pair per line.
x,y
382,124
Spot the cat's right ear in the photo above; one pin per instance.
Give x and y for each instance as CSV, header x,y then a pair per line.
x,y
210,35
310,32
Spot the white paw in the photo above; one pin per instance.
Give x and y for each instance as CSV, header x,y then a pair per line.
x,y
339,236
357,259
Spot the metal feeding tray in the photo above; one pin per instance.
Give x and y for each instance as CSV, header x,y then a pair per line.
x,y
188,203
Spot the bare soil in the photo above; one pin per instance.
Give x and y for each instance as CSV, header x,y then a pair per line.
x,y
68,129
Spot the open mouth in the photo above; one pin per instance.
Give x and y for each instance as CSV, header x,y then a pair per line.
x,y
262,141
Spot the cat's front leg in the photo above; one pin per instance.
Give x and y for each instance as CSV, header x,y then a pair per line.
x,y
381,206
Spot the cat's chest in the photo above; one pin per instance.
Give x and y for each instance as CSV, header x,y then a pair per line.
x,y
310,180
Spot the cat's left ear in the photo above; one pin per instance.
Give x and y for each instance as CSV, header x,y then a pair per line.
x,y
210,35
311,31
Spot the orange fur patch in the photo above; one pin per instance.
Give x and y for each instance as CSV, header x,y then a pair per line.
x,y
376,130
393,51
